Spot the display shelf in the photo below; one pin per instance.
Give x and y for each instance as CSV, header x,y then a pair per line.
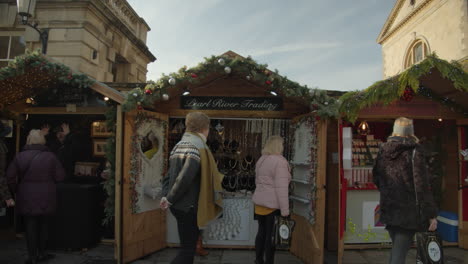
x,y
301,181
299,199
301,163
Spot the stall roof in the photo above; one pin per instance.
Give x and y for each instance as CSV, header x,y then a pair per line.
x,y
33,73
231,65
433,78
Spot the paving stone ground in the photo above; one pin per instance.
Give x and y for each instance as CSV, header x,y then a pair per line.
x,y
14,252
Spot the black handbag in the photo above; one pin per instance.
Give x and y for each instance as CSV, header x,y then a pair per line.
x,y
429,248
428,244
283,229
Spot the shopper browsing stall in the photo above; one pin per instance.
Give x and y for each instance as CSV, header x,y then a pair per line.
x,y
193,185
270,196
33,175
400,173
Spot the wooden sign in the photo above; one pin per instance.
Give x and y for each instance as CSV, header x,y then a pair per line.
x,y
231,103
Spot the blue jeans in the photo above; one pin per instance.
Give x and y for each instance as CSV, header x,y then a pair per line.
x,y
401,243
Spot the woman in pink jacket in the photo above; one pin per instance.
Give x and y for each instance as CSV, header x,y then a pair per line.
x,y
270,196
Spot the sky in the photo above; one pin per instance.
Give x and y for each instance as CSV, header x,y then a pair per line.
x,y
329,44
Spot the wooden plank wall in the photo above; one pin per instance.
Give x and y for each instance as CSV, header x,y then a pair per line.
x,y
333,189
450,183
308,240
143,233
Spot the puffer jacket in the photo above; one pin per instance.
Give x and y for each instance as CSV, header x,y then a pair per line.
x,y
398,183
37,170
272,177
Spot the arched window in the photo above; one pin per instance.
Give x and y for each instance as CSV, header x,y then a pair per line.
x,y
417,52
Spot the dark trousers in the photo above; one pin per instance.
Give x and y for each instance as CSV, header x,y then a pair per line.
x,y
264,246
37,231
188,235
401,243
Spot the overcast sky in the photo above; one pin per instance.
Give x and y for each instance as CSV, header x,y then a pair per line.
x,y
330,44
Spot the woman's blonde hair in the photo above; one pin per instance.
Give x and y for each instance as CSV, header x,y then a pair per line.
x,y
35,137
403,127
196,122
273,146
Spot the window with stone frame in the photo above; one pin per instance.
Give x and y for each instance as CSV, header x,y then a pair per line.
x,y
416,53
10,47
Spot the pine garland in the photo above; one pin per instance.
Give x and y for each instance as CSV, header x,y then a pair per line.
x,y
388,91
326,107
20,65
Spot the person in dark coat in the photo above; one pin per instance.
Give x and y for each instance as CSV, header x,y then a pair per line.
x,y
5,196
406,201
63,145
33,175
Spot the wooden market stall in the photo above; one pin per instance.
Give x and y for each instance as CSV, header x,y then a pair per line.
x,y
246,103
36,91
434,93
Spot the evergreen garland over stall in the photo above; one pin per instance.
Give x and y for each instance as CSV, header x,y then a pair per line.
x,y
405,86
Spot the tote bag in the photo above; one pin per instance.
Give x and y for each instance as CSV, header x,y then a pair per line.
x,y
428,244
283,229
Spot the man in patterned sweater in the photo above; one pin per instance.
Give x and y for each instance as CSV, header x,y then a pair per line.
x,y
192,188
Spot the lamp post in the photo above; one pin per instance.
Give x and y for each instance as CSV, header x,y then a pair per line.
x,y
26,10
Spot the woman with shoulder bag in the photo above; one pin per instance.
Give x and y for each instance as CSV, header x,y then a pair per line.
x,y
270,196
33,175
406,202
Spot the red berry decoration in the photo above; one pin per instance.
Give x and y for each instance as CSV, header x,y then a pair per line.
x,y
268,82
139,107
408,94
194,75
317,118
148,92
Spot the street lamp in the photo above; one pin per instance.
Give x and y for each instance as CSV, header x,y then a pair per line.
x,y
26,10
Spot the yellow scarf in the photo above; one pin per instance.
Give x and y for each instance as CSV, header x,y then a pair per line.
x,y
210,201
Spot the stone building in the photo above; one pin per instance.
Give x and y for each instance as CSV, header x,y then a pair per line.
x,y
104,39
416,28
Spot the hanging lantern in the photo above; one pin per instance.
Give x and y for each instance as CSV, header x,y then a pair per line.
x,y
221,62
227,69
363,128
165,97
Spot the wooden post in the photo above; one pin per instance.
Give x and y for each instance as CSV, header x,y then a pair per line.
x,y
118,186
